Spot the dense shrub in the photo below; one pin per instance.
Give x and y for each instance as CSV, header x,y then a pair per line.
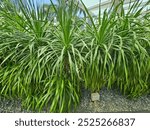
x,y
46,55
119,50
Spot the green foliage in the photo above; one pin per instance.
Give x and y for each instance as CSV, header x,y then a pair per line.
x,y
119,50
41,60
44,63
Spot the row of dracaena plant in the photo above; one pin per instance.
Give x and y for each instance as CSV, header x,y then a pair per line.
x,y
47,54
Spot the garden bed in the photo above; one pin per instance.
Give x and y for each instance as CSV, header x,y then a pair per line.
x,y
110,101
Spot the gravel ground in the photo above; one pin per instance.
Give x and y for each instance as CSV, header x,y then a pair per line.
x,y
110,101
113,101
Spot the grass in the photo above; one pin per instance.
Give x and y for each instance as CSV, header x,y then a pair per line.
x,y
44,62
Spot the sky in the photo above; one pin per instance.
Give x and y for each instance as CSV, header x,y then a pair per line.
x,y
93,2
88,2
45,1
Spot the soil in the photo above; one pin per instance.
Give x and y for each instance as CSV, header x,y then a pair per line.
x,y
110,101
